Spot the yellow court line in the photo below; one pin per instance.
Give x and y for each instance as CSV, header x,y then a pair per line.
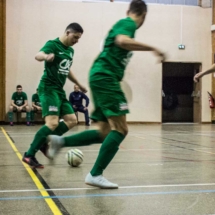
x,y
39,185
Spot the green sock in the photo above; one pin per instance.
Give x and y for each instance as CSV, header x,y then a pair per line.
x,y
39,140
10,116
83,138
32,116
61,129
107,151
28,116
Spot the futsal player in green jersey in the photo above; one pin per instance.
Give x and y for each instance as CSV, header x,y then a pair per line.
x,y
36,106
108,98
58,56
19,103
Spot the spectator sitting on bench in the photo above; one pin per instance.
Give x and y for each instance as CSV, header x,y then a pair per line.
x,y
36,106
19,103
75,98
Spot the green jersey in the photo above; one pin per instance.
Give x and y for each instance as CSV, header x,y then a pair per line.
x,y
113,60
56,72
19,99
36,99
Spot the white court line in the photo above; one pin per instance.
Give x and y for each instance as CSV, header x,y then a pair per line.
x,y
129,134
126,150
123,187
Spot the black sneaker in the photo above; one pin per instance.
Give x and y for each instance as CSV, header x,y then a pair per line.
x,y
32,161
44,149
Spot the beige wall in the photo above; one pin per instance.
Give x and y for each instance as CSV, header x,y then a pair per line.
x,y
30,23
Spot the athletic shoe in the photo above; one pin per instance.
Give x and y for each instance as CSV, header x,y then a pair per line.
x,y
28,124
32,161
44,149
88,123
99,181
11,123
56,143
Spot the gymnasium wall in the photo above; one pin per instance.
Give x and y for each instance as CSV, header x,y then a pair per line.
x,y
30,23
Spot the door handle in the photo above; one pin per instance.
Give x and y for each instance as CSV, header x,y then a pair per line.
x,y
193,94
198,94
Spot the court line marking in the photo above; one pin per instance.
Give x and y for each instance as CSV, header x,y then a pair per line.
x,y
109,195
194,203
121,150
121,187
39,185
178,146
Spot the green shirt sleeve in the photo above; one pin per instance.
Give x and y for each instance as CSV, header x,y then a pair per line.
x,y
48,48
25,97
32,98
13,96
126,27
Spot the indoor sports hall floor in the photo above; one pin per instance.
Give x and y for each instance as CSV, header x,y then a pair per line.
x,y
161,170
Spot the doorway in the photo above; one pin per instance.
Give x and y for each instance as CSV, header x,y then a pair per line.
x,y
181,97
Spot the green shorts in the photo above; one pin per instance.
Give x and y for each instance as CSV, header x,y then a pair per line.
x,y
108,98
54,103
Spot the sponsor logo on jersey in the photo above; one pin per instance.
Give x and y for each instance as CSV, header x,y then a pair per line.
x,y
64,67
53,108
19,102
123,106
126,60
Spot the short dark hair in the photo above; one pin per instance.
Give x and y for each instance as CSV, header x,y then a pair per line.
x,y
138,7
18,86
75,27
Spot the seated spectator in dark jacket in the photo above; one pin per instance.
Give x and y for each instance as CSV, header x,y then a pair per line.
x,y
76,98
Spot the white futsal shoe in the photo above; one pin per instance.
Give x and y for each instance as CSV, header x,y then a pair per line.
x,y
99,181
55,144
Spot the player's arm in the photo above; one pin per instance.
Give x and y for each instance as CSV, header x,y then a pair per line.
x,y
201,74
125,42
86,99
46,53
34,105
25,100
32,100
13,104
25,103
71,98
72,78
42,56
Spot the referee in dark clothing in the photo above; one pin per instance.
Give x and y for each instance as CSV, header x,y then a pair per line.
x,y
76,98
